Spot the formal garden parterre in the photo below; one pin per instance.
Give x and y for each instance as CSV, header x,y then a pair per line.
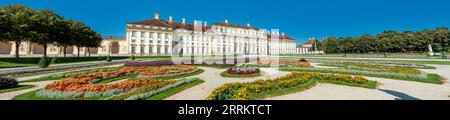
x,y
142,80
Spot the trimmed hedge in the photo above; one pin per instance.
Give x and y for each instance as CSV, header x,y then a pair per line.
x,y
35,60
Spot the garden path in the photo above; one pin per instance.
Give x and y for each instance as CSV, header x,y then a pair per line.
x,y
213,80
37,85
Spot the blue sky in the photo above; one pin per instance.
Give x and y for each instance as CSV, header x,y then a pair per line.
x,y
300,19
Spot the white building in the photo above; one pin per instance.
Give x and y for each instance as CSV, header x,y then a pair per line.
x,y
166,37
307,47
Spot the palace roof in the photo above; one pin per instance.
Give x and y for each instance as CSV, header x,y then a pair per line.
x,y
234,25
281,37
310,42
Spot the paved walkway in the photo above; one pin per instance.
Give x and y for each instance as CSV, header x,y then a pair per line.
x,y
213,80
37,85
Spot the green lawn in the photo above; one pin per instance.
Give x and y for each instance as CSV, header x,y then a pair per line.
x,y
200,71
19,87
226,74
175,90
33,61
116,79
272,93
12,65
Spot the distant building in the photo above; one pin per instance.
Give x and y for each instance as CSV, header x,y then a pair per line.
x,y
307,47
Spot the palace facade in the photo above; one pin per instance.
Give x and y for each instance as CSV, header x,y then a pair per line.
x,y
165,37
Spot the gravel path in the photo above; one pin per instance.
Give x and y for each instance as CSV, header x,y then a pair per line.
x,y
11,95
212,79
317,65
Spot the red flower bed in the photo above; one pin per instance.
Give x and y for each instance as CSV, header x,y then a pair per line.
x,y
243,72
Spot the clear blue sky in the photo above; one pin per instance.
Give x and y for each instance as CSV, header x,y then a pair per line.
x,y
299,19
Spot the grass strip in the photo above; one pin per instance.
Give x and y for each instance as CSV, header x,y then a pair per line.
x,y
226,74
175,90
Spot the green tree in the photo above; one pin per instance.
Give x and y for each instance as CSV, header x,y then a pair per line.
x,y
66,37
15,25
45,28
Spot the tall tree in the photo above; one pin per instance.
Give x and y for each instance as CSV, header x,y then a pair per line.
x,y
67,36
45,28
15,25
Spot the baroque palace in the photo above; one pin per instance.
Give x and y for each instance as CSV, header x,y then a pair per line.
x,y
157,36
167,37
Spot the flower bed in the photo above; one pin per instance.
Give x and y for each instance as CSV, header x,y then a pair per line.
x,y
423,77
43,70
83,86
299,80
8,83
145,92
243,69
375,67
148,63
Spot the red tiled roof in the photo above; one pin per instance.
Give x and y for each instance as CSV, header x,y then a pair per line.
x,y
152,22
169,24
281,37
234,25
309,42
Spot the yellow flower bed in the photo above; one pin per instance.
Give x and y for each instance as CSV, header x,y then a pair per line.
x,y
242,91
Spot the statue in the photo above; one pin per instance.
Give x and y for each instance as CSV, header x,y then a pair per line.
x,y
430,49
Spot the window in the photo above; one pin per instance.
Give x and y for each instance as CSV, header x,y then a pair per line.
x,y
133,34
142,34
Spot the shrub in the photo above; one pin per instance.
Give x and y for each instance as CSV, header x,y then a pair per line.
x,y
132,57
108,58
54,60
8,83
44,62
302,60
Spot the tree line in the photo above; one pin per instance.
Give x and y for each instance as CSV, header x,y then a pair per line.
x,y
19,24
390,41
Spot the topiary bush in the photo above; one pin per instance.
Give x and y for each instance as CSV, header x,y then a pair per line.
x,y
303,60
8,83
44,62
108,58
132,57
